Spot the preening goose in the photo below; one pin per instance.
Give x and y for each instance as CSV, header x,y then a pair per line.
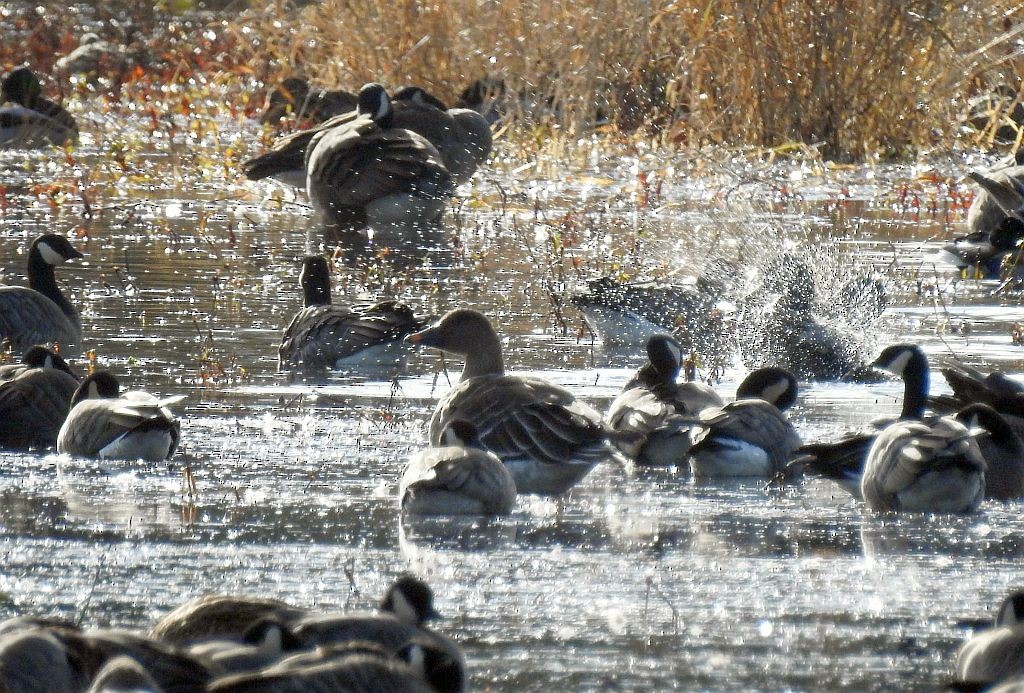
x,y
33,121
369,174
751,436
35,398
547,438
104,423
996,654
652,404
461,136
457,478
323,335
40,313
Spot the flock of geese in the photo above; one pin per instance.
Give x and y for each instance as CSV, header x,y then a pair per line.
x,y
389,165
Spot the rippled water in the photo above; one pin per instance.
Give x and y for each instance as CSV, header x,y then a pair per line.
x,y
636,581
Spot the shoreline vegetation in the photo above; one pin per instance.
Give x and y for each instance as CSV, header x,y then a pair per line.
x,y
859,82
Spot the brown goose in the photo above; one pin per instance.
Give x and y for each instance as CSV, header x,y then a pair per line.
x,y
35,398
996,654
461,136
547,438
458,478
40,314
368,174
323,335
751,436
104,423
652,404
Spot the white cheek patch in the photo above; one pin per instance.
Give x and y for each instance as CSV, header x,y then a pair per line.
x,y
772,393
382,107
49,255
402,609
451,438
899,364
94,391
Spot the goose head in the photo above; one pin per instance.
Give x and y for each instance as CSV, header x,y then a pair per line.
x,y
434,664
776,386
41,357
460,433
99,385
53,249
467,333
20,86
315,279
374,102
908,362
1007,234
410,600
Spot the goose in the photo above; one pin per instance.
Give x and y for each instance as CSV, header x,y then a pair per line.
x,y
323,335
220,617
40,314
652,404
843,461
368,173
630,313
35,398
35,661
295,97
996,654
32,121
90,56
982,254
461,136
458,478
1000,195
547,438
107,424
263,644
122,674
926,465
751,436
358,667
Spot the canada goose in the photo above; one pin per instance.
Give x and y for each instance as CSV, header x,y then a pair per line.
x,y
35,398
122,674
323,335
1004,478
982,254
780,324
105,423
751,436
264,643
1000,195
696,314
90,56
652,404
458,478
40,314
357,667
296,98
33,121
926,465
843,461
461,136
35,661
368,173
219,617
996,654
547,438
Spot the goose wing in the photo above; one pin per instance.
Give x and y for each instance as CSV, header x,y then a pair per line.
x,y
520,416
34,405
753,421
288,153
468,472
320,335
27,317
95,423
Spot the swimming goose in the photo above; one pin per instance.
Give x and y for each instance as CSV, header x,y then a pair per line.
x,y
35,398
461,136
751,436
323,335
458,478
547,438
843,461
369,174
357,667
652,404
40,314
33,121
926,465
296,98
219,617
105,423
631,312
1000,195
996,654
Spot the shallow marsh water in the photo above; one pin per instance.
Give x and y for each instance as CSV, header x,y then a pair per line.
x,y
637,580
